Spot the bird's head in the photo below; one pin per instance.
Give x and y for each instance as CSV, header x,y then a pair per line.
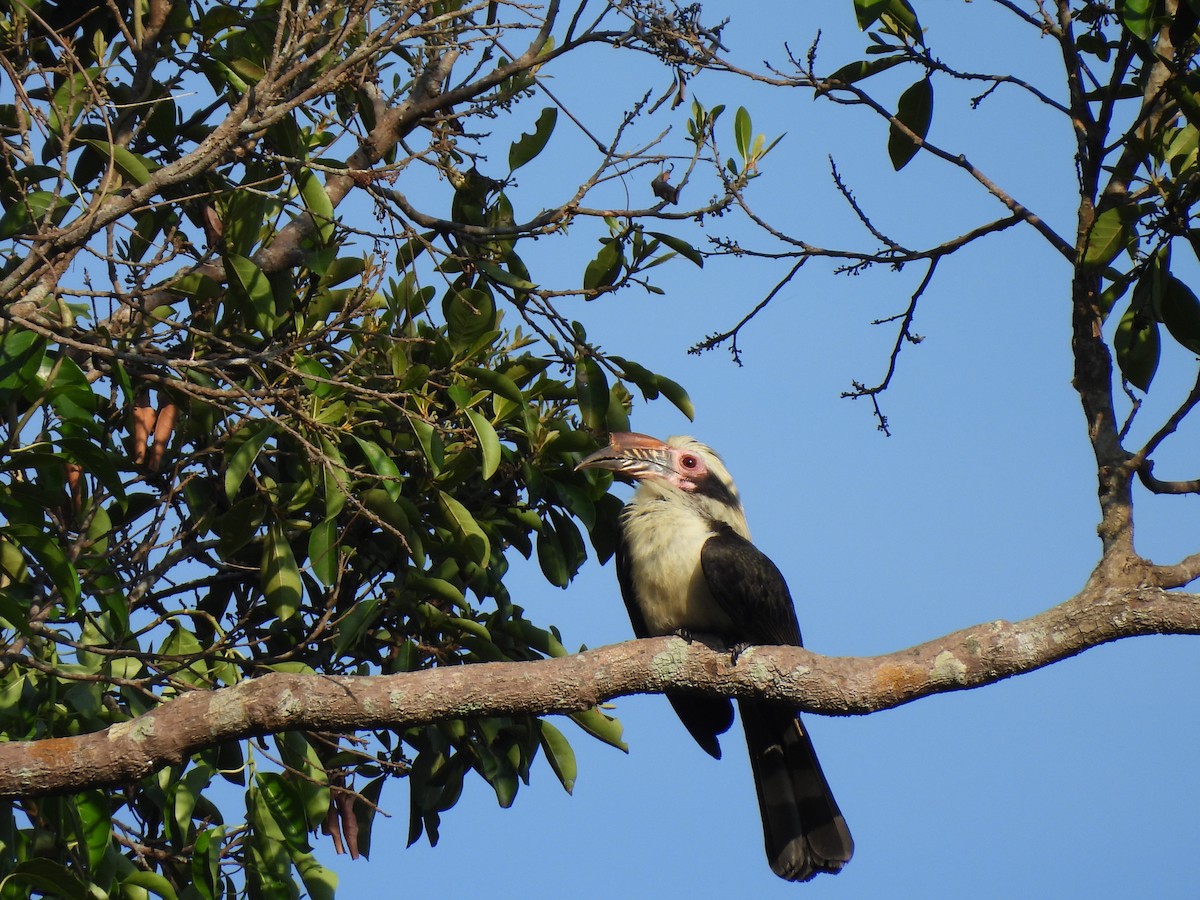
x,y
677,466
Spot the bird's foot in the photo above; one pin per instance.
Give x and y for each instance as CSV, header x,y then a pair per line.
x,y
737,650
685,633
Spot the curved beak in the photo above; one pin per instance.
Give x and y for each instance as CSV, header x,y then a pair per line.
x,y
631,455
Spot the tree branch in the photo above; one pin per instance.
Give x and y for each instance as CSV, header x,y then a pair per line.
x,y
833,90
277,702
1160,486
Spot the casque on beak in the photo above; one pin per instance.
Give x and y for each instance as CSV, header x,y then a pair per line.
x,y
631,455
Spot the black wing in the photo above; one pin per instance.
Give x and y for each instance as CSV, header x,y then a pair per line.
x,y
704,717
750,589
628,594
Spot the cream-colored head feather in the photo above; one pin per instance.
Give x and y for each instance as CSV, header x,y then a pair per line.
x,y
709,488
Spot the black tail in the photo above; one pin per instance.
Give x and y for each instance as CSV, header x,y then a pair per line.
x,y
802,825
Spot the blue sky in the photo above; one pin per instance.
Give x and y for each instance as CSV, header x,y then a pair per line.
x,y
1077,780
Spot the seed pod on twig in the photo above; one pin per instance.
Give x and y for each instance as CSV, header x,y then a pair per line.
x,y
142,425
163,429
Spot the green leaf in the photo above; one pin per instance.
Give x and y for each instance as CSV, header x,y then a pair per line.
x,y
438,588
605,533
463,524
246,443
591,390
335,479
187,666
250,71
206,861
574,551
283,805
239,526
559,754
46,550
683,248
96,822
616,417
601,726
31,212
407,253
229,76
365,807
135,168
1110,234
867,12
319,382
1179,310
552,558
496,768
540,639
1111,294
646,381
1137,347
863,68
489,443
322,551
343,269
1097,45
897,17
152,882
72,97
431,443
279,574
98,530
183,799
674,392
320,882
470,314
352,628
391,512
602,271
21,355
12,570
69,391
503,276
494,381
1138,17
50,878
742,131
243,217
252,289
383,466
527,146
312,781
915,112
316,200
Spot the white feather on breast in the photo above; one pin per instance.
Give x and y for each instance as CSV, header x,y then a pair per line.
x,y
663,540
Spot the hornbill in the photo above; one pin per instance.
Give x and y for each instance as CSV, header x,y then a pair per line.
x,y
686,566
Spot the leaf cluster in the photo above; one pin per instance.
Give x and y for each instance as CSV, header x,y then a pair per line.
x,y
245,430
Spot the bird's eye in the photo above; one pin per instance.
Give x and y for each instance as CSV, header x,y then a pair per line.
x,y
689,462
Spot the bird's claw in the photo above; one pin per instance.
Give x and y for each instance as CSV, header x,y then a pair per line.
x,y
737,650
